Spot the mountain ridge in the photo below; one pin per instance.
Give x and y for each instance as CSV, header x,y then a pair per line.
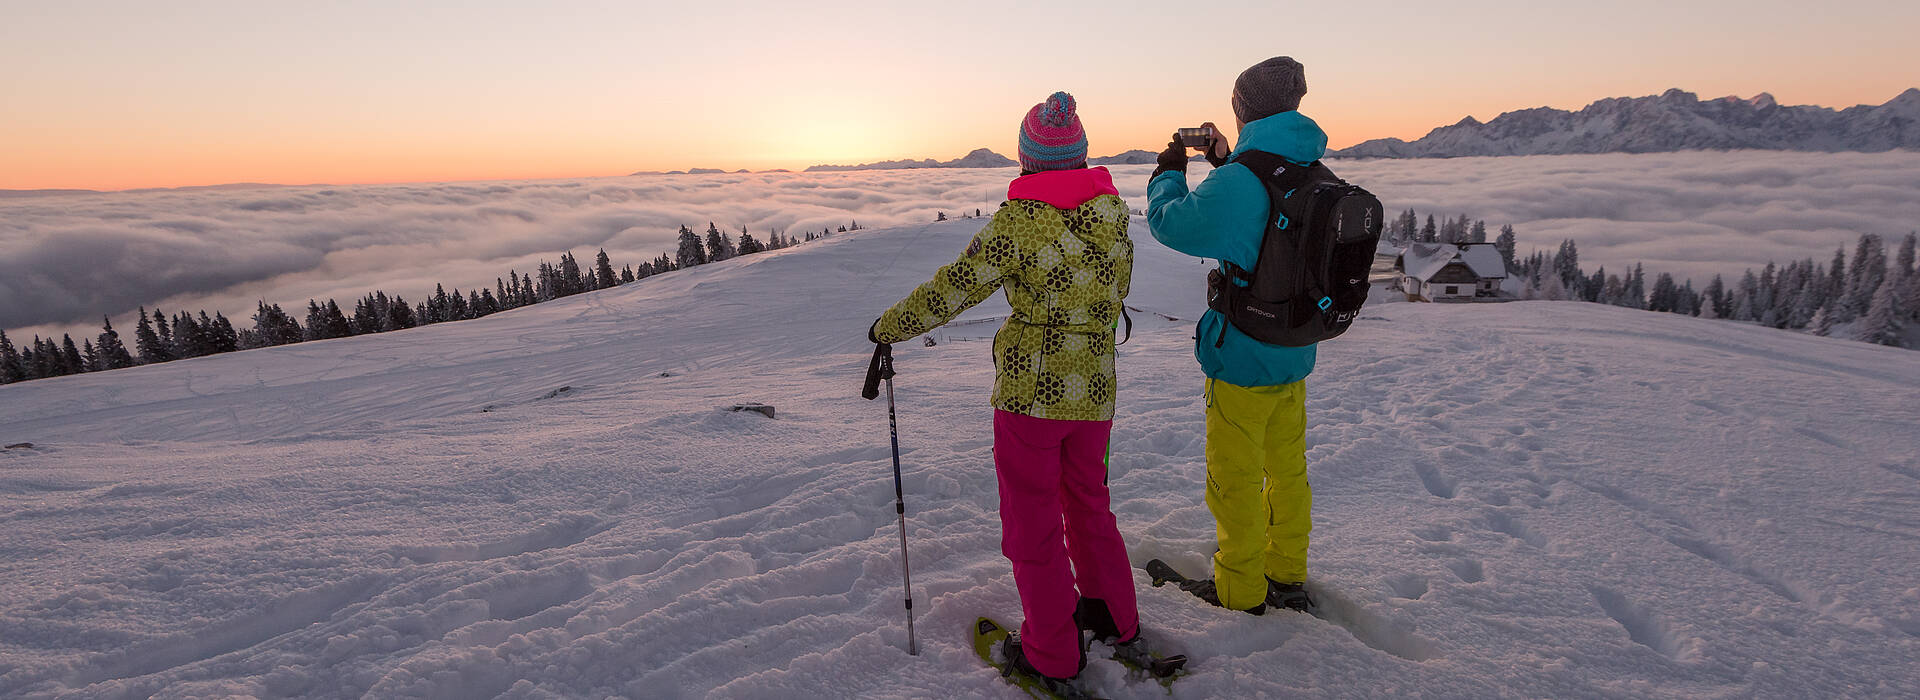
x,y
1675,120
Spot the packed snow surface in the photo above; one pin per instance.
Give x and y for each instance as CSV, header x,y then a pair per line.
x,y
1536,499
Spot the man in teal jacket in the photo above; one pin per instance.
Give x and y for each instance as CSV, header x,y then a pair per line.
x,y
1256,397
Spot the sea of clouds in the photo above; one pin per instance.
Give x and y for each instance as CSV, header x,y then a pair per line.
x,y
68,259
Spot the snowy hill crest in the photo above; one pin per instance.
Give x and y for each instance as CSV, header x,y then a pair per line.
x,y
1569,501
1673,121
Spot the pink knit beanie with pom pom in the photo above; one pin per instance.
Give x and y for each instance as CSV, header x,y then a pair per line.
x,y
1051,137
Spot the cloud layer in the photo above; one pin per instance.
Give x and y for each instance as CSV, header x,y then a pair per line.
x,y
1692,214
66,260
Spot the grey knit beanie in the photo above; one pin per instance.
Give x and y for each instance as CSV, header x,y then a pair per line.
x,y
1268,88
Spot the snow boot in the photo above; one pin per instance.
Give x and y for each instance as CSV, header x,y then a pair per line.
x,y
1289,596
1205,589
1059,687
1092,615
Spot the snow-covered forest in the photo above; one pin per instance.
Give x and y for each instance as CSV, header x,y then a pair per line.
x,y
156,339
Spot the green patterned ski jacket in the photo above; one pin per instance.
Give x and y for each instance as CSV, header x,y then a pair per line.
x,y
1059,247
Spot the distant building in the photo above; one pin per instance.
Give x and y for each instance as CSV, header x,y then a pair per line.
x,y
1449,272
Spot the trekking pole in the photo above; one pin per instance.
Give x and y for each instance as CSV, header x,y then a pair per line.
x,y
878,370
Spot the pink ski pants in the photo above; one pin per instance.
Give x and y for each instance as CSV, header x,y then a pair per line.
x,y
1058,530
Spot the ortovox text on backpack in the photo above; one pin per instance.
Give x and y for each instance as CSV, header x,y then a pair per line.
x,y
1311,277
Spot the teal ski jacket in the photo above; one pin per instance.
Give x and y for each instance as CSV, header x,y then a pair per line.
x,y
1225,218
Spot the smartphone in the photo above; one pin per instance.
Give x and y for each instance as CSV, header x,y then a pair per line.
x,y
1195,137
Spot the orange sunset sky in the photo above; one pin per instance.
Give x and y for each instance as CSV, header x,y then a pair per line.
x,y
115,95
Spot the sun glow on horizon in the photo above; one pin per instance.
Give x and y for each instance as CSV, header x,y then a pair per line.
x,y
163,96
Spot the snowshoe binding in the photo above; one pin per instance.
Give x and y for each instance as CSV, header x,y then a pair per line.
x,y
1290,596
1140,659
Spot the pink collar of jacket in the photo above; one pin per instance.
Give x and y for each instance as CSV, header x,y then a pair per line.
x,y
1063,189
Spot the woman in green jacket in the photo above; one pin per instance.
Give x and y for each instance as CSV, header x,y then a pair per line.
x,y
1059,248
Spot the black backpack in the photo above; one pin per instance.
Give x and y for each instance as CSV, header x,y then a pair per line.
x,y
1311,278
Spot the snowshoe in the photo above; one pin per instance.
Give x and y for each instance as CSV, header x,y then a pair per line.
x,y
1013,666
1203,589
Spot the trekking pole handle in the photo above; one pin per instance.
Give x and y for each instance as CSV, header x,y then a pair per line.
x,y
878,368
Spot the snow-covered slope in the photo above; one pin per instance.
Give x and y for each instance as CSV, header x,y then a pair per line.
x,y
1536,499
1673,121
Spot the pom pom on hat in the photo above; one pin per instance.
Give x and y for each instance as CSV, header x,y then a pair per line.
x,y
1051,137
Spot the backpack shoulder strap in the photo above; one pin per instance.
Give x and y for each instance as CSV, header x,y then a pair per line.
x,y
1278,174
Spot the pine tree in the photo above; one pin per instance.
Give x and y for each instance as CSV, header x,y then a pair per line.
x,y
365,319
12,369
1869,270
399,315
337,324
148,342
748,245
1743,308
1551,288
603,270
316,321
691,253
1637,288
1903,261
189,340
71,354
88,355
166,333
1666,295
1566,262
1881,325
1822,324
1743,294
1767,295
1717,298
41,361
1837,289
1906,294
626,274
1909,296
1504,244
716,244
573,276
268,324
112,351
226,339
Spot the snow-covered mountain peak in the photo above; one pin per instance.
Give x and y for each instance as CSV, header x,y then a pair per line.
x,y
1675,120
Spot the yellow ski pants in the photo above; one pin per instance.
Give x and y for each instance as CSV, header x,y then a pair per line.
x,y
1257,487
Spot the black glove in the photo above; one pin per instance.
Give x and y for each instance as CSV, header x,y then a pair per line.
x,y
870,332
1216,162
1174,158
